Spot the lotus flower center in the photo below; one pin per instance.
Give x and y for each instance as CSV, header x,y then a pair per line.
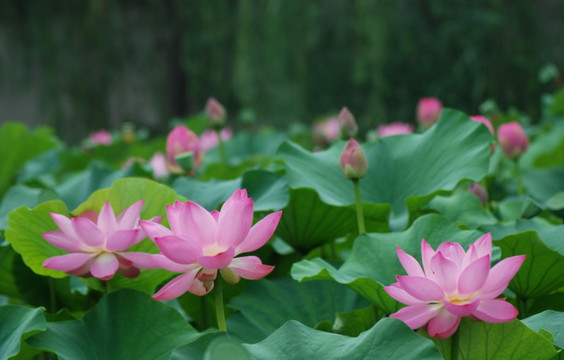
x,y
214,249
456,299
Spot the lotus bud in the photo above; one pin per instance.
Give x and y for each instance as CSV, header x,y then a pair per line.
x,y
485,121
479,191
395,128
215,113
179,141
347,124
353,161
512,139
428,111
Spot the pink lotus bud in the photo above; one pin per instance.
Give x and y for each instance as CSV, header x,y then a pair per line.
x,y
179,141
512,139
209,139
353,161
395,128
485,121
479,191
428,111
215,113
326,131
347,124
102,137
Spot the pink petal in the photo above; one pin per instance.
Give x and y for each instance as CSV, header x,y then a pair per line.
x,y
104,266
235,219
107,219
409,263
259,234
177,286
483,245
445,270
180,249
500,275
67,262
399,294
215,215
462,309
65,224
129,218
495,311
62,241
154,230
443,325
473,277
198,287
217,261
121,240
88,232
192,220
427,253
152,261
250,267
415,316
453,251
421,288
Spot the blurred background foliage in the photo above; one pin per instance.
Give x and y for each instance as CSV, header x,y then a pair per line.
x,y
83,65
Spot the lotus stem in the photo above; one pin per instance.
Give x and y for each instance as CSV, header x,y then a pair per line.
x,y
221,148
359,213
52,296
520,187
454,345
219,310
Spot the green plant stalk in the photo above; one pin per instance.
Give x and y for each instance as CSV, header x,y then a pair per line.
x,y
52,296
454,345
221,148
359,212
219,310
520,187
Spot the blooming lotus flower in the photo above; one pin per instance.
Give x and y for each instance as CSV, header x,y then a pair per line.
x,y
512,139
428,111
395,128
102,137
347,124
453,284
353,161
158,164
215,113
326,131
97,243
209,139
200,243
179,141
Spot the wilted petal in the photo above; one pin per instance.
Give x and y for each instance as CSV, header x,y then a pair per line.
x,y
219,260
443,325
445,270
415,316
104,266
462,309
62,241
121,240
177,286
180,249
500,275
495,311
154,230
67,262
399,294
250,267
409,263
129,218
235,219
260,233
192,220
88,232
473,277
107,219
421,288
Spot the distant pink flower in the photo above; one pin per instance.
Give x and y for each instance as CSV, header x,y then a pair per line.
x,y
395,128
102,137
158,163
179,141
428,111
97,243
209,140
453,284
512,139
200,243
353,160
215,113
484,120
479,191
347,124
326,131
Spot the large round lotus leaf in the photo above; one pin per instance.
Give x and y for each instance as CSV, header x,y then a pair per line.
x,y
125,325
552,321
17,322
404,171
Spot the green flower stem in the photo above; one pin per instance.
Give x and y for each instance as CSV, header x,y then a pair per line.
x,y
359,213
520,187
106,287
52,296
522,307
221,148
454,345
219,311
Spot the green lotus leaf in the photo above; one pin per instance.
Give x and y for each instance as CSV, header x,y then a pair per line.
x,y
18,322
552,321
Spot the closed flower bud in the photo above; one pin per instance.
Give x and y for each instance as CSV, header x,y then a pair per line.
x,y
512,139
428,111
215,113
179,141
485,121
479,191
347,124
353,161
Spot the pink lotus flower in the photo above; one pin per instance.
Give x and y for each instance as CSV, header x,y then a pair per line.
x,y
428,111
97,243
158,163
209,139
353,160
326,131
347,124
200,243
179,141
102,137
215,113
512,139
453,284
395,128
